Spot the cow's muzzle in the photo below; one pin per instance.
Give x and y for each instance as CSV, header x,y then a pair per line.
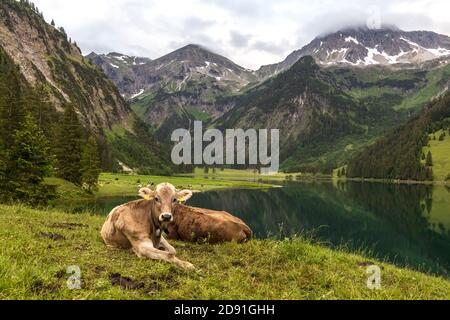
x,y
166,217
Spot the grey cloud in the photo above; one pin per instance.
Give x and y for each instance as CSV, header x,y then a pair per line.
x,y
248,8
239,40
132,27
195,23
275,48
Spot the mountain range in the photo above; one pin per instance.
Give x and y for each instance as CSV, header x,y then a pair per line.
x,y
331,99
362,46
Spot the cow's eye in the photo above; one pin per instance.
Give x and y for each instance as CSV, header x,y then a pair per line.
x,y
157,199
174,200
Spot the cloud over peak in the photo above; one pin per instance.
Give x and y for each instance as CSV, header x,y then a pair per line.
x,y
250,32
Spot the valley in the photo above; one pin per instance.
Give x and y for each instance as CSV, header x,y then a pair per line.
x,y
319,133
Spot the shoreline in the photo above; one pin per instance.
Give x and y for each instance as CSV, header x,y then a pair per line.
x,y
395,181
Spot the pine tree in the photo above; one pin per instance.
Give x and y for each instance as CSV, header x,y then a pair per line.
x,y
90,165
53,23
12,106
429,161
43,111
69,146
29,162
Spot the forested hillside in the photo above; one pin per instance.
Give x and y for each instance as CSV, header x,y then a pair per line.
x,y
51,67
400,154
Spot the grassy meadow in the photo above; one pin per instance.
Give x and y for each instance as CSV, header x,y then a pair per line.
x,y
115,184
440,151
39,246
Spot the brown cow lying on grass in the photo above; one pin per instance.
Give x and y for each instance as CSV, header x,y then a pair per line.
x,y
138,225
203,225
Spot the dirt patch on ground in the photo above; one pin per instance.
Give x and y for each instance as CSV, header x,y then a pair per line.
x,y
99,269
53,236
67,225
38,287
149,285
60,274
124,282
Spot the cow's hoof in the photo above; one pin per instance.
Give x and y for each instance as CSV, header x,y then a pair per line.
x,y
187,265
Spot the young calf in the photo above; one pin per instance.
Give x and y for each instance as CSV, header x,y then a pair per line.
x,y
139,224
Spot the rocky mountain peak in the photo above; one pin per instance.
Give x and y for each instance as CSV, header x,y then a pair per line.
x,y
361,47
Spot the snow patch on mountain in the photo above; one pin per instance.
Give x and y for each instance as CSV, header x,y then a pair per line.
x,y
137,94
351,39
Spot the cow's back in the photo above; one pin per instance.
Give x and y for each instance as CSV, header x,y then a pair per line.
x,y
198,224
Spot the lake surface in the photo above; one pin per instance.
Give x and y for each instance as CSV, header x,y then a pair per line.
x,y
403,224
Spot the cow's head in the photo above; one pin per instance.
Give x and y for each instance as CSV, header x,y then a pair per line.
x,y
164,197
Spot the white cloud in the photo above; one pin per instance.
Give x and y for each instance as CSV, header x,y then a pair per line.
x,y
249,32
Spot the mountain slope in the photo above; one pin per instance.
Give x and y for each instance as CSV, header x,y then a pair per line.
x,y
314,115
399,155
187,84
120,69
363,47
49,60
45,55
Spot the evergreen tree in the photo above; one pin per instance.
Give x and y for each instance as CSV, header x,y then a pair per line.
x,y
69,146
43,110
29,162
53,23
344,172
12,106
90,165
429,161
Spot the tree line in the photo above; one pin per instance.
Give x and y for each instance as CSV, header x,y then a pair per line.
x,y
36,141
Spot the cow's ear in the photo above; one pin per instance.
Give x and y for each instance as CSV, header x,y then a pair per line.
x,y
146,193
184,195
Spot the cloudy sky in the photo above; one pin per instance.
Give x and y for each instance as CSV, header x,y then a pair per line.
x,y
250,32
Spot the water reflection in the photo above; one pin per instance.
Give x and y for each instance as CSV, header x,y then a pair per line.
x,y
404,224
392,221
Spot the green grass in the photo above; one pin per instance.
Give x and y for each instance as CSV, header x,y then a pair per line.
x,y
198,114
237,175
111,184
115,184
33,266
430,90
439,217
372,92
440,151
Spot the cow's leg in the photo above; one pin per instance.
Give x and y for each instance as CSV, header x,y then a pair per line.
x,y
166,246
145,248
